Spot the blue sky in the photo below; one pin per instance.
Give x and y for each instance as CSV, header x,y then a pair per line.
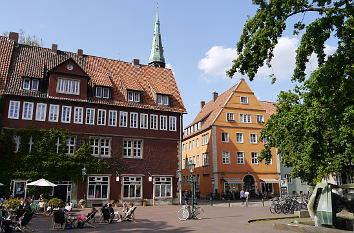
x,y
199,38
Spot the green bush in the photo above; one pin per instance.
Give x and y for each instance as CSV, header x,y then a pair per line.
x,y
12,203
56,202
82,202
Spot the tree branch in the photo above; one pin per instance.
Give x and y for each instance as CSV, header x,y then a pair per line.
x,y
308,9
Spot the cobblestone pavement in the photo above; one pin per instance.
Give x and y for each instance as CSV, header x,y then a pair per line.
x,y
218,218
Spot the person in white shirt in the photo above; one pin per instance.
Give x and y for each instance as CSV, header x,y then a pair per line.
x,y
67,208
247,194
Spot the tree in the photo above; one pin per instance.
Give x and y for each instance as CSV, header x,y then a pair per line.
x,y
27,39
314,124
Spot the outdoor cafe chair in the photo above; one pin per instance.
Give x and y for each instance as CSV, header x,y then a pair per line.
x,y
58,220
19,214
24,220
105,216
90,220
130,215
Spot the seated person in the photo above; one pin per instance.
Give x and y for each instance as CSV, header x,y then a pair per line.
x,y
93,210
131,207
67,207
123,212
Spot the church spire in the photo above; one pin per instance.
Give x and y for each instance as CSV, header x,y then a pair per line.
x,y
156,54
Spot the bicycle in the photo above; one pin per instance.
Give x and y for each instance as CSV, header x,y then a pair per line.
x,y
186,213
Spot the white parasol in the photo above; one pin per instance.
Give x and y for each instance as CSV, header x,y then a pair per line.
x,y
42,183
1,184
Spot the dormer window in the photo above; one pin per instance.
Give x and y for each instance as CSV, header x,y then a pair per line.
x,y
102,92
134,96
68,86
163,99
29,84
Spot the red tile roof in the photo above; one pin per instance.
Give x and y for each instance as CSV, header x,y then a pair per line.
x,y
6,47
269,107
36,62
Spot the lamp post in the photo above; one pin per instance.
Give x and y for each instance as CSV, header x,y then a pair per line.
x,y
191,166
83,173
179,185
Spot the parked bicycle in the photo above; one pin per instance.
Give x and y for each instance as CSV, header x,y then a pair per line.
x,y
286,205
186,212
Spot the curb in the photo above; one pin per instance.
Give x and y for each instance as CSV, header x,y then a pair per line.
x,y
264,219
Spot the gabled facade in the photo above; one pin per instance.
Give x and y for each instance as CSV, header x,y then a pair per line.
x,y
129,112
223,141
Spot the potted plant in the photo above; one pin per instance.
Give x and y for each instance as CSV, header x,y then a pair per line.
x,y
56,203
145,202
82,203
12,204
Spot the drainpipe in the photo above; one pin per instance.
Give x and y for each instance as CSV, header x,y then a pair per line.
x,y
180,159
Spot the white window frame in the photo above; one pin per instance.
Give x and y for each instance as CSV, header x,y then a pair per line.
x,y
68,86
99,181
197,142
131,149
26,81
14,109
197,164
134,120
123,119
225,137
163,122
98,92
254,159
66,118
205,139
260,119
41,112
154,122
17,140
54,113
255,137
27,110
70,145
245,118
237,138
163,100
163,183
240,156
130,181
90,116
112,118
205,158
226,157
230,116
78,115
144,121
173,123
105,93
288,178
244,98
34,87
101,148
101,116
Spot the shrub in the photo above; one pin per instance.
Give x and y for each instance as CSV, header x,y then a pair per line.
x,y
82,202
56,202
12,203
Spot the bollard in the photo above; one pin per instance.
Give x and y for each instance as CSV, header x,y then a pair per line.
x,y
211,200
263,201
229,202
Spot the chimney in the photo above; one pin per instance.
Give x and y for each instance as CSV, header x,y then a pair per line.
x,y
80,52
135,62
215,95
54,48
202,104
14,37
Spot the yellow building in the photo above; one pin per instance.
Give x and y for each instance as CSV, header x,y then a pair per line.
x,y
224,143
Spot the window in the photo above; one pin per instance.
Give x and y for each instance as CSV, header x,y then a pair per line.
x,y
26,83
78,115
173,123
270,162
123,119
199,125
41,112
112,118
205,159
27,111
70,145
133,96
288,178
66,114
253,138
132,187
132,148
193,160
240,157
245,118
254,157
260,119
68,86
144,121
101,117
190,146
244,100
162,99
35,84
90,116
133,120
99,92
17,141
102,92
224,137
30,144
163,186
197,142
153,121
239,137
163,122
14,108
226,157
58,145
230,116
184,164
267,187
197,161
205,139
53,113
98,187
100,147
193,144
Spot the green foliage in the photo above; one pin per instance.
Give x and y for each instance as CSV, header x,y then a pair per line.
x,y
82,202
56,202
12,203
27,39
44,161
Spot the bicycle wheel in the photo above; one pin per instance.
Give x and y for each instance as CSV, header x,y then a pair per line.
x,y
277,208
183,214
272,208
199,212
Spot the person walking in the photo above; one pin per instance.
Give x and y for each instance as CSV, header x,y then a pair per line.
x,y
247,194
242,196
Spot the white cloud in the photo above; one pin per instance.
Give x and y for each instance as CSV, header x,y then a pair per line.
x,y
219,59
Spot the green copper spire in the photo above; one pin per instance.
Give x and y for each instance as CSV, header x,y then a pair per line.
x,y
156,55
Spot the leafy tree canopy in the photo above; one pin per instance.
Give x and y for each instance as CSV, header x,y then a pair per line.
x,y
27,39
314,124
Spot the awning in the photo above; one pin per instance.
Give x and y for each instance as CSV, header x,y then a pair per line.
x,y
233,180
269,180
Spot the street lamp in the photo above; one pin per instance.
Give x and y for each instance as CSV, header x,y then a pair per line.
x,y
191,166
83,173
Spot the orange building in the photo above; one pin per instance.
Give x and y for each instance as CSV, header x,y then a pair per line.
x,y
224,143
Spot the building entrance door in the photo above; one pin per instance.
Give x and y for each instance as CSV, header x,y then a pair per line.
x,y
63,190
249,184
